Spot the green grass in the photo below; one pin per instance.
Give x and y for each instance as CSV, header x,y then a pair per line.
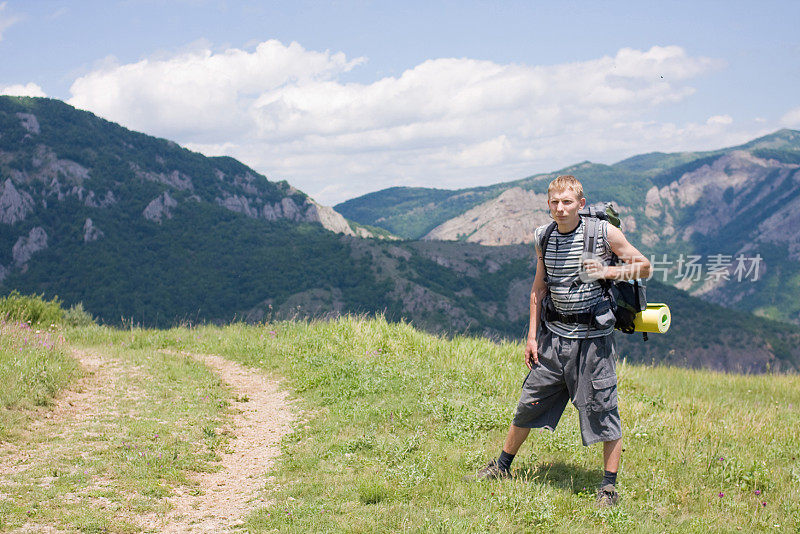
x,y
34,365
395,419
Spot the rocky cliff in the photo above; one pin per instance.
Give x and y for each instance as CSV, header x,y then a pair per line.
x,y
509,219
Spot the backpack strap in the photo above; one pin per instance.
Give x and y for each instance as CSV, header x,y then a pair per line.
x,y
590,234
543,244
638,303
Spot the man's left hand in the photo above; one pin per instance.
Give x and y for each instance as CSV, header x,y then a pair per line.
x,y
595,269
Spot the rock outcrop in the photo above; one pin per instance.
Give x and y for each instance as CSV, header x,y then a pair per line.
x,y
27,246
288,208
332,220
14,206
175,178
29,122
92,200
160,208
509,219
238,204
91,232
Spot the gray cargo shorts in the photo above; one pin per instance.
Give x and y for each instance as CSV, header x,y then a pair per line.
x,y
581,370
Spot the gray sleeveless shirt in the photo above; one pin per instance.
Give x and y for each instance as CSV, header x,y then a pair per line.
x,y
562,263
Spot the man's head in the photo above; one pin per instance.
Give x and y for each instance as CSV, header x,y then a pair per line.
x,y
565,198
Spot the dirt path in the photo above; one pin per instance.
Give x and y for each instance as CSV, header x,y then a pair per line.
x,y
228,495
79,403
221,500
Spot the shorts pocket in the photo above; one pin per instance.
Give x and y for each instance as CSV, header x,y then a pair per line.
x,y
604,394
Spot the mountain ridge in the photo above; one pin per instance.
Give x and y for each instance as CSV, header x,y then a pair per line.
x,y
724,202
143,232
75,153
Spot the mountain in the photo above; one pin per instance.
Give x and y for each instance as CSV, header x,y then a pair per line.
x,y
732,207
145,232
138,226
411,212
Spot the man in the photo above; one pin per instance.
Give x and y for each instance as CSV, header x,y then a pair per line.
x,y
570,353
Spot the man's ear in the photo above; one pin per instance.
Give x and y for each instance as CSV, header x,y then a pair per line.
x,y
583,202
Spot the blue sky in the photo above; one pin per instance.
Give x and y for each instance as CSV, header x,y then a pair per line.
x,y
342,98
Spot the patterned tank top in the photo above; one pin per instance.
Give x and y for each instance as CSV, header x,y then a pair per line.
x,y
568,292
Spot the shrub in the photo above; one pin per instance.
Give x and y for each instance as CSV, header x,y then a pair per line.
x,y
76,315
33,309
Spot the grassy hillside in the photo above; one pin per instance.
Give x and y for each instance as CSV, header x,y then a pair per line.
x,y
393,419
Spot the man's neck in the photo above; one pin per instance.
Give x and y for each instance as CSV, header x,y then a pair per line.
x,y
568,226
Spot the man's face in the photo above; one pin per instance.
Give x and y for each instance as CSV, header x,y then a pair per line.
x,y
564,206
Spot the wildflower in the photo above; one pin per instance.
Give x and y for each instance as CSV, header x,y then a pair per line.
x,y
764,503
757,492
721,495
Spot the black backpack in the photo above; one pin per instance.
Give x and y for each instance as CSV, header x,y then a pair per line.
x,y
627,298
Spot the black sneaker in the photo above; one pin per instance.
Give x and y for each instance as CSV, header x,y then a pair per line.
x,y
492,471
607,496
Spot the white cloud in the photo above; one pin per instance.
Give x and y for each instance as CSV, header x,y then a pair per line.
x,y
791,119
444,123
29,89
6,20
199,95
719,120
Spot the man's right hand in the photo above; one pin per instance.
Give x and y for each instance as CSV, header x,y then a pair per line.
x,y
531,353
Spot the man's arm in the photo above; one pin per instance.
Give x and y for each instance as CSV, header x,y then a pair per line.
x,y
635,266
538,291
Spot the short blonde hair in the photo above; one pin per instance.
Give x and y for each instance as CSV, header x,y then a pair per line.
x,y
565,182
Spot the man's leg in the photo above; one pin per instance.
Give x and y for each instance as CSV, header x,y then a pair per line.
x,y
607,494
542,401
501,467
597,409
612,451
515,438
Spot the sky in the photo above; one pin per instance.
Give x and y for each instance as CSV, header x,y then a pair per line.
x,y
343,98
